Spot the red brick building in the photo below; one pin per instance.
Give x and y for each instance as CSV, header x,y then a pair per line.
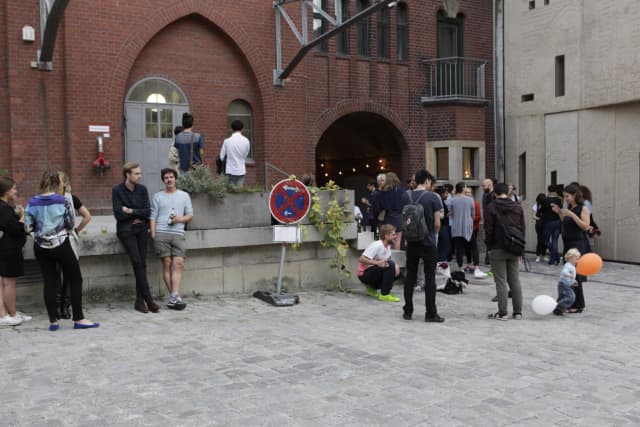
x,y
375,99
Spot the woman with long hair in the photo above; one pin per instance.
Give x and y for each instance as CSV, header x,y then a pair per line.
x,y
50,218
575,223
12,240
391,203
538,209
64,290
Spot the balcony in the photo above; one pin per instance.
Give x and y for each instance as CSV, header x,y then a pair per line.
x,y
455,79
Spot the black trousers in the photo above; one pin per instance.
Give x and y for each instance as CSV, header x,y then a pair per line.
x,y
583,246
49,260
136,243
541,246
429,255
462,247
380,278
473,256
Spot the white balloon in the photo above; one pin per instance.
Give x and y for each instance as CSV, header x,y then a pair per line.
x,y
543,305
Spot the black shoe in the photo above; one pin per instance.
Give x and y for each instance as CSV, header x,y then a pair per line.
x,y
558,312
433,318
498,316
406,316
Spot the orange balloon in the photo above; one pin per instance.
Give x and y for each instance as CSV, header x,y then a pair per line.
x,y
589,264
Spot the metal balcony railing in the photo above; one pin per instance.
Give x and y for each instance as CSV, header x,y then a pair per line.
x,y
455,79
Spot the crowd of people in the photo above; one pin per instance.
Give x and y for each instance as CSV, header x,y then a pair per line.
x,y
433,224
452,217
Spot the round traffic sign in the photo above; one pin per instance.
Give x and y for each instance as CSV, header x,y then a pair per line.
x,y
289,201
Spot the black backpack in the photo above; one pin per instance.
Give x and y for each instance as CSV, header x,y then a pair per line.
x,y
513,238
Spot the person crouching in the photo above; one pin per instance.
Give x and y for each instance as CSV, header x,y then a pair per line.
x,y
376,270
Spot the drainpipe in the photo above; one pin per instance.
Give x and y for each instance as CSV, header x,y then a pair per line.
x,y
498,89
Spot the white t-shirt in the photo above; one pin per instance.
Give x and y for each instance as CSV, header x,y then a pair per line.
x,y
375,251
357,213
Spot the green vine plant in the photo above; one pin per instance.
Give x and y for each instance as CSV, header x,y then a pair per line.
x,y
332,223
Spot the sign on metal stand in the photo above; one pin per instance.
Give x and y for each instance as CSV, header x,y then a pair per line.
x,y
289,202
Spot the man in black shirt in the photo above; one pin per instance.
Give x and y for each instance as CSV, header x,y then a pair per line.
x,y
425,249
131,209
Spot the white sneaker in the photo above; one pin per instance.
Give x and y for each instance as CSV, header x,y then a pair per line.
x,y
479,274
24,317
10,321
537,259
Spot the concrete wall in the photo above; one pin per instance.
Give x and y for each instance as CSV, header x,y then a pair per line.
x,y
218,261
589,134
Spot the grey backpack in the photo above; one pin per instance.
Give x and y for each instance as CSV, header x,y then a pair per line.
x,y
414,226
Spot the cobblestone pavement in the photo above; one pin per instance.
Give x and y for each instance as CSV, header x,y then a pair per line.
x,y
335,359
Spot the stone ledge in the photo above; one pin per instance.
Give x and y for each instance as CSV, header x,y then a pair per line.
x,y
108,243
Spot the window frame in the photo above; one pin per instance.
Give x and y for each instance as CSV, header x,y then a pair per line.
x,y
522,175
363,33
440,164
323,46
247,131
474,163
383,21
342,38
402,32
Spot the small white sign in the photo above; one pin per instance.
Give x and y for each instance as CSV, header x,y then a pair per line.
x,y
286,234
99,129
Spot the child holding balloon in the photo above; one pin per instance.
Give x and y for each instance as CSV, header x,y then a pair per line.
x,y
566,294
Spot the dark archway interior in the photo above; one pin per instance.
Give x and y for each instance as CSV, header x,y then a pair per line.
x,y
357,147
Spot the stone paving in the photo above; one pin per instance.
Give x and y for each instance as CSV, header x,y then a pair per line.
x,y
336,359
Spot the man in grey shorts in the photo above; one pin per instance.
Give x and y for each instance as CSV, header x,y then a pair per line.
x,y
170,210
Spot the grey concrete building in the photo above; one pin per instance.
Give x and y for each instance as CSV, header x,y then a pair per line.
x,y
572,109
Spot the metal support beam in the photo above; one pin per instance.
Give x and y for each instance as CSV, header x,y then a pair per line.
x,y
279,74
51,22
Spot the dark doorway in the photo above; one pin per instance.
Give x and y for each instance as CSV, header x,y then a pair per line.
x,y
356,148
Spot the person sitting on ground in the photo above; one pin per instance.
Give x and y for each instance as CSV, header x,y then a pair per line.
x,y
376,269
566,295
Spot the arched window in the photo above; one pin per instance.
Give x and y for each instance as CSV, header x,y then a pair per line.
x,y
156,91
158,118
402,31
241,110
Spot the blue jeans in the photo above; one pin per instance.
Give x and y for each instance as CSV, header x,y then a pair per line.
x,y
236,181
551,232
566,296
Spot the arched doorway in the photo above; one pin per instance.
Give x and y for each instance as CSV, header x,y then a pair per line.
x,y
153,108
357,147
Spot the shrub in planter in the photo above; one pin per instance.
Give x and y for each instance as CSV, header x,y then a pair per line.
x,y
201,180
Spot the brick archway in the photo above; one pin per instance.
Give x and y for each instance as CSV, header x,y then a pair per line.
x,y
327,118
356,141
162,18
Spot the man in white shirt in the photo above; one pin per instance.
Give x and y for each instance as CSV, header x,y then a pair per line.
x,y
376,270
236,149
171,209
